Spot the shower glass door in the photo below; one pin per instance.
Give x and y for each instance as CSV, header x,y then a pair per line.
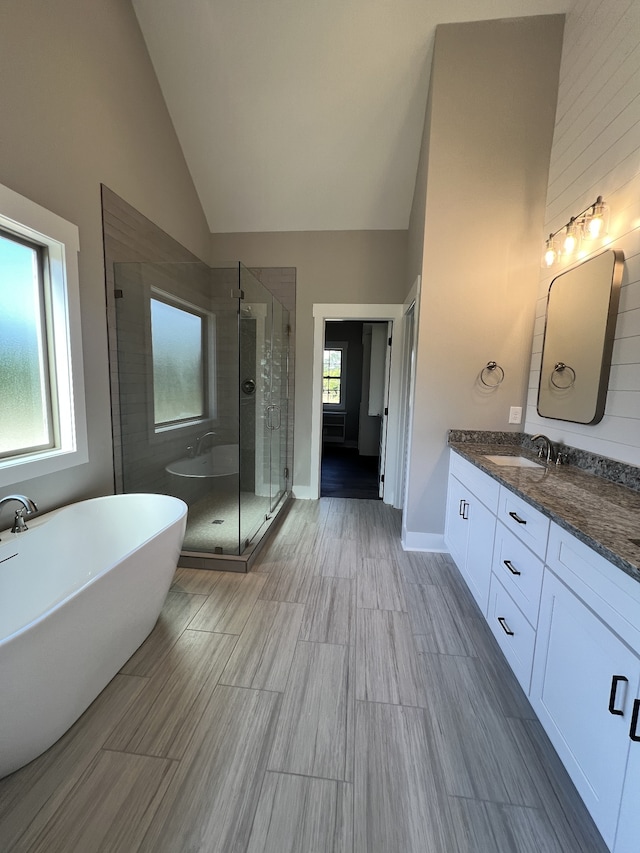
x,y
177,368
278,403
255,327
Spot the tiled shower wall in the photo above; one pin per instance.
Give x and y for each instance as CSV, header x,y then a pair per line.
x,y
145,452
281,282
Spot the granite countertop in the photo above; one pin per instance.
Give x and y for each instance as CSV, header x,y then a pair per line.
x,y
602,514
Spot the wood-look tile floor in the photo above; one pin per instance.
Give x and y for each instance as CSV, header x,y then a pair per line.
x,y
344,697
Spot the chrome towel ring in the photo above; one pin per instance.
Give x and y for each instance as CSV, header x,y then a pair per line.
x,y
491,369
560,369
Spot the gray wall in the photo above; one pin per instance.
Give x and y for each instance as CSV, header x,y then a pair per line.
x,y
331,267
80,105
476,238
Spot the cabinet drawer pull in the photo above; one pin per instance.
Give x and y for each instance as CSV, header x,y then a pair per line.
x,y
465,513
511,567
516,517
461,507
507,629
633,731
612,696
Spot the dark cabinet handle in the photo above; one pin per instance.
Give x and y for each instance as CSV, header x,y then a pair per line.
x,y
465,513
516,517
461,506
511,567
506,628
633,731
612,696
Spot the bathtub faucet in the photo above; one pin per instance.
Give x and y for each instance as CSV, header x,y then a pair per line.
x,y
28,507
200,439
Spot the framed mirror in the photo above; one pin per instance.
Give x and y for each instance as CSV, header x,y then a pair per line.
x,y
582,307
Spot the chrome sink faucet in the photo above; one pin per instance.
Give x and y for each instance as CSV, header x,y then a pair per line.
x,y
545,443
28,508
200,439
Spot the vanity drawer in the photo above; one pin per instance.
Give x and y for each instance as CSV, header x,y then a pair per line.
x,y
527,523
484,487
513,632
519,570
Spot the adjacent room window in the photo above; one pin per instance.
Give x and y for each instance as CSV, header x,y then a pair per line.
x,y
42,415
178,335
333,376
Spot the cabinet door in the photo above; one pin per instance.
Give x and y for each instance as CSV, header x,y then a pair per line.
x,y
477,568
628,835
457,527
584,683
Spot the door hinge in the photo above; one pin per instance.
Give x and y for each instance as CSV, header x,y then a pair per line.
x,y
286,473
237,294
389,341
386,411
118,294
382,478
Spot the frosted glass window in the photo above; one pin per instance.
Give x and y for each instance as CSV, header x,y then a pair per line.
x,y
25,420
178,363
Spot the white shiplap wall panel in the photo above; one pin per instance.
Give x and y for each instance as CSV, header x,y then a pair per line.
x,y
596,151
625,351
630,297
608,72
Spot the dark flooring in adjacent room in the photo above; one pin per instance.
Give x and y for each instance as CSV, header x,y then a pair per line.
x,y
346,474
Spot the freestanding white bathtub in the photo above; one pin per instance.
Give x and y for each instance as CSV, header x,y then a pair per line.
x,y
79,592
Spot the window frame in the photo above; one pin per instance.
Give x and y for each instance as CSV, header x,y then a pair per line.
x,y
47,378
341,406
59,241
208,375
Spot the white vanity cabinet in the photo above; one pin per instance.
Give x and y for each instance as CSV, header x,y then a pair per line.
x,y
568,622
586,682
472,502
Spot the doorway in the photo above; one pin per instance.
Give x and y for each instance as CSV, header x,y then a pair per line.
x,y
389,316
355,368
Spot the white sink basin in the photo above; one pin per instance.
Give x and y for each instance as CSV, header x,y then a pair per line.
x,y
514,461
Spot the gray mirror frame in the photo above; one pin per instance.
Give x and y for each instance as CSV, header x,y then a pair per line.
x,y
609,334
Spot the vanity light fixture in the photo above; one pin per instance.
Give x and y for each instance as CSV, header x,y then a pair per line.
x,y
589,224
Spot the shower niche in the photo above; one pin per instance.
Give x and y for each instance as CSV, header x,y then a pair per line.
x,y
203,390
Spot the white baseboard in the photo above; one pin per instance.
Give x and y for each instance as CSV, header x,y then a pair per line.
x,y
414,541
305,493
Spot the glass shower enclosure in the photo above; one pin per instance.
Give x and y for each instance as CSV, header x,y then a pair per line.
x,y
203,389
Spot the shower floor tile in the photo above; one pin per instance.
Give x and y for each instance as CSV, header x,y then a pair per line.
x,y
214,522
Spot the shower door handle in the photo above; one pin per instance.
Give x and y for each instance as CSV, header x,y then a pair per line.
x,y
269,419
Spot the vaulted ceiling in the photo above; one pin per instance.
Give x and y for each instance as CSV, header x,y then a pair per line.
x,y
301,115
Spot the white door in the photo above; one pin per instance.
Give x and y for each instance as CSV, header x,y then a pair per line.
x,y
388,332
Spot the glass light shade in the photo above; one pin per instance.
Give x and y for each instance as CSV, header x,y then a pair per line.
x,y
598,220
572,238
550,252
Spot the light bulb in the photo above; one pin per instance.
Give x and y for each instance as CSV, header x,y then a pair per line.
x,y
550,253
571,238
596,226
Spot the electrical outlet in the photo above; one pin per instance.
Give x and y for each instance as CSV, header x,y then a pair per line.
x,y
515,415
